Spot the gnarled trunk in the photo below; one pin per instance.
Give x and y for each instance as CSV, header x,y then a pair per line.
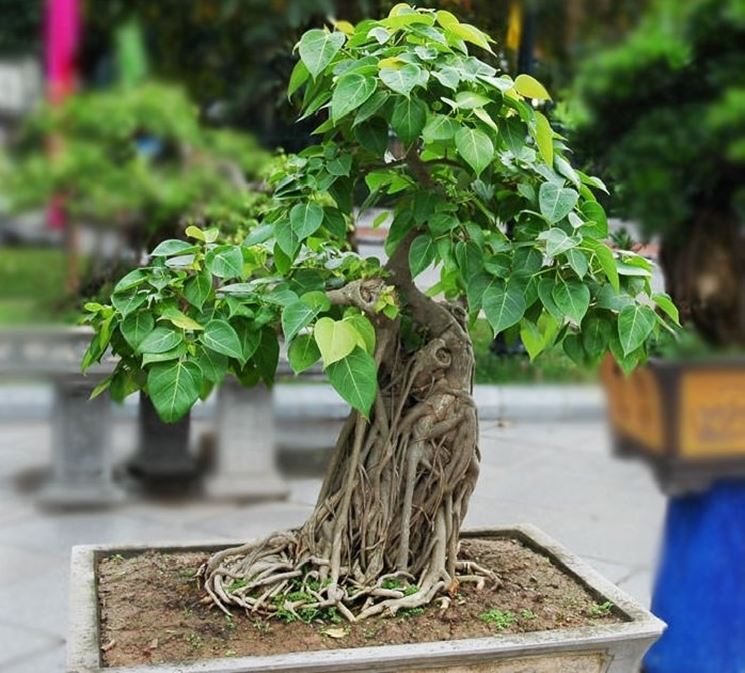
x,y
384,532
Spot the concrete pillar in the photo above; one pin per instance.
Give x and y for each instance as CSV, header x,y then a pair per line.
x,y
246,467
163,457
81,447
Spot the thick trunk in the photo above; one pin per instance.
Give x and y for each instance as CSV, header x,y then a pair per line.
x,y
395,493
705,275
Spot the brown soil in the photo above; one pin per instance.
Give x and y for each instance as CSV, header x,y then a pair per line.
x,y
151,610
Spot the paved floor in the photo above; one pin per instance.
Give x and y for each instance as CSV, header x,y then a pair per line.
x,y
557,475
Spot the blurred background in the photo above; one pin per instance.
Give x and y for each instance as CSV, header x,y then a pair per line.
x,y
122,122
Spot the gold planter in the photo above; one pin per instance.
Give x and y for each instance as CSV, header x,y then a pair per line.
x,y
686,419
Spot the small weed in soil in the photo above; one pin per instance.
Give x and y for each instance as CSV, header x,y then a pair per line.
x,y
501,619
601,609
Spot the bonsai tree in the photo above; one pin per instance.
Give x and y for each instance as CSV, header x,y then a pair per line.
x,y
663,116
135,159
484,190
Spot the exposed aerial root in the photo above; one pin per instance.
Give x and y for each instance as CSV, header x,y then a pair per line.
x,y
384,535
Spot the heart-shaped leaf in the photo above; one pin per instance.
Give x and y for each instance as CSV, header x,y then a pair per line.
x,y
335,338
220,336
503,304
350,92
173,388
556,202
475,147
355,378
635,324
318,48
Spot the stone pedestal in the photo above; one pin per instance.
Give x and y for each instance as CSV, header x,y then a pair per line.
x,y
81,448
246,448
163,457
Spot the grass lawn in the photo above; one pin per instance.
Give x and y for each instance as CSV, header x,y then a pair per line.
x,y
32,282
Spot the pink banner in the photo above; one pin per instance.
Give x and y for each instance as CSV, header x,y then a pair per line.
x,y
61,40
61,36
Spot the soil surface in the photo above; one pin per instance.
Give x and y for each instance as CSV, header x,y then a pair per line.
x,y
152,611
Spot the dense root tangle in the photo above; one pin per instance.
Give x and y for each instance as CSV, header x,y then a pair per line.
x,y
384,534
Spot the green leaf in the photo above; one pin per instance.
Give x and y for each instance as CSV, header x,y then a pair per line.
x,y
355,378
364,329
514,133
556,202
504,305
557,241
180,319
266,356
606,260
572,297
259,235
135,327
545,290
128,303
214,365
573,348
335,338
371,106
373,136
408,118
160,340
594,212
469,100
578,262
173,246
439,128
475,147
172,354
350,92
305,219
225,261
667,306
530,87
318,48
596,332
173,388
448,76
132,279
299,76
635,324
421,254
401,80
544,137
197,289
303,353
295,316
220,336
287,239
250,338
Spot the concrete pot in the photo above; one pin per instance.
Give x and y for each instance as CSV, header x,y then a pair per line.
x,y
616,648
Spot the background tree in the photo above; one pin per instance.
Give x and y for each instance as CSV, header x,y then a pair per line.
x,y
136,160
483,189
663,116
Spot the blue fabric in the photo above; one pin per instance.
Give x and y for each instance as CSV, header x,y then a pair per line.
x,y
700,587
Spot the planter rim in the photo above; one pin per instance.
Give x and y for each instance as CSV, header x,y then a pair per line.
x,y
84,655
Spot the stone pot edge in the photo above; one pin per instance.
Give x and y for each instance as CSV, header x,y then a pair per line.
x,y
83,653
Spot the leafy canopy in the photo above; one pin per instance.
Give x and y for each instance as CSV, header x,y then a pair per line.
x,y
663,114
472,178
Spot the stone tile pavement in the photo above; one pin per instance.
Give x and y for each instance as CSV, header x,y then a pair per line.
x,y
557,475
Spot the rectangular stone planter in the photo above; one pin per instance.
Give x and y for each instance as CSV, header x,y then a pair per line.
x,y
616,648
